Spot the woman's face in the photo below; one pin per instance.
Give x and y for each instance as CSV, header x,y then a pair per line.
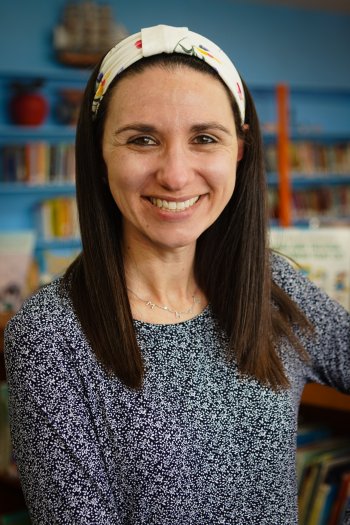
x,y
171,152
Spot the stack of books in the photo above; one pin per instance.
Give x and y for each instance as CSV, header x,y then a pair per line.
x,y
323,470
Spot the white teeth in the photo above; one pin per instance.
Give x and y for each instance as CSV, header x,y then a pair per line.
x,y
172,205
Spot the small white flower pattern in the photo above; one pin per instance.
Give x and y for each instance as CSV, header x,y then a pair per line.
x,y
198,445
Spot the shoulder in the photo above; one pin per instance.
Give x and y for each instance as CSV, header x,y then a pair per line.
x,y
49,305
314,302
45,320
292,280
284,273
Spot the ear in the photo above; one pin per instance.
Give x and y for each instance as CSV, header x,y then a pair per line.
x,y
240,151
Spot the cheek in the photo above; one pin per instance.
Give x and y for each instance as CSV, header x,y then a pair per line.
x,y
223,173
121,174
224,182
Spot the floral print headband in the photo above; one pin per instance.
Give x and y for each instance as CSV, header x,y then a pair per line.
x,y
167,39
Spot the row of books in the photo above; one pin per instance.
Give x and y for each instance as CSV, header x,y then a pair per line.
x,y
57,218
323,472
310,158
37,163
327,201
41,162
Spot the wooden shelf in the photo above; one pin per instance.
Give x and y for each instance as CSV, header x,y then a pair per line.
x,y
43,190
326,397
80,59
47,132
302,180
4,318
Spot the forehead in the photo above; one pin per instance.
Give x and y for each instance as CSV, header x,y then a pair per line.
x,y
159,89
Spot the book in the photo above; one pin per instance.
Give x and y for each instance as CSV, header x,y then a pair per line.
x,y
322,505
324,467
57,218
341,500
56,261
38,162
308,453
311,433
311,158
16,256
322,255
329,485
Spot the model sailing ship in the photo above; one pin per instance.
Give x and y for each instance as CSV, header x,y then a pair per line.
x,y
86,32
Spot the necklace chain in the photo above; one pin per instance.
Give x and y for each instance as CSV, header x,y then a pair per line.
x,y
178,314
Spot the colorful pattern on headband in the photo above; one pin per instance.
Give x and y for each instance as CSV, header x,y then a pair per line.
x,y
167,39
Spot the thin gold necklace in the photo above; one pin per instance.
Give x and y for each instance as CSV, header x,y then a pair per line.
x,y
177,313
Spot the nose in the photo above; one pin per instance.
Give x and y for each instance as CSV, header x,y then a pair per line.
x,y
175,169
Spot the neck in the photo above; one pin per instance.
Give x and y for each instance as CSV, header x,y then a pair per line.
x,y
162,279
160,275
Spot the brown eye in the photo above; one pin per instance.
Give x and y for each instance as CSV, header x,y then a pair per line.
x,y
204,139
143,140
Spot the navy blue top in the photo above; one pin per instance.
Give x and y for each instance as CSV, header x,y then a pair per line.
x,y
197,445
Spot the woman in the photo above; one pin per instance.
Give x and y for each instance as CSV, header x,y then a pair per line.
x,y
159,381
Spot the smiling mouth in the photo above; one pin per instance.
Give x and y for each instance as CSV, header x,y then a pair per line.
x,y
172,205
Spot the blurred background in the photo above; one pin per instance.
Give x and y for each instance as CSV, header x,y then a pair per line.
x,y
294,56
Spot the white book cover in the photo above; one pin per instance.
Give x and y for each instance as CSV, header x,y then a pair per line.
x,y
322,254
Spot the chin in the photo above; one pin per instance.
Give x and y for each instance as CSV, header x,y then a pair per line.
x,y
176,242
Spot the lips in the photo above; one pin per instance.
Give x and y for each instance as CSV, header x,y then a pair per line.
x,y
172,205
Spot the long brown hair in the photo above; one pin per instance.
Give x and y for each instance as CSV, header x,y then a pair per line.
x,y
232,262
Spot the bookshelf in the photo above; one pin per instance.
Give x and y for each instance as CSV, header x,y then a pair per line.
x,y
326,397
306,135
308,169
37,170
308,163
323,462
19,200
312,150
37,188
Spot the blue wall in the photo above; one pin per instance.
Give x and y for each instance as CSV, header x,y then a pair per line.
x,y
269,44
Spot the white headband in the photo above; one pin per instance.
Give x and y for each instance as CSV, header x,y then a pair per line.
x,y
167,39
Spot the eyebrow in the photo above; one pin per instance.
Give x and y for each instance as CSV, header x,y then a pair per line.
x,y
136,126
206,126
195,128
